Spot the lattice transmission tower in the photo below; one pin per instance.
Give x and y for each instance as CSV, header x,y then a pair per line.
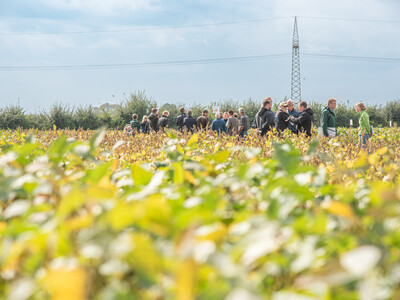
x,y
296,83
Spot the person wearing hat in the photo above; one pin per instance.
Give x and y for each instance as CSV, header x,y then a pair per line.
x,y
282,117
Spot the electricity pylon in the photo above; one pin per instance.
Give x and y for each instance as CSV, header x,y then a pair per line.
x,y
296,84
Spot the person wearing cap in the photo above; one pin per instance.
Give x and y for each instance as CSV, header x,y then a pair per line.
x,y
292,112
203,122
282,117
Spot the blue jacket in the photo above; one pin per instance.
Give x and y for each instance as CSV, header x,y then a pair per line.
x,y
294,113
218,125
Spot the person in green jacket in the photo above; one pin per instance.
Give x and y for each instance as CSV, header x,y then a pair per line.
x,y
135,124
328,120
364,130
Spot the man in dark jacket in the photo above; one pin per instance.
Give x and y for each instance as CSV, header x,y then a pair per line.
x,y
305,119
282,117
189,122
203,122
264,119
163,121
180,118
153,118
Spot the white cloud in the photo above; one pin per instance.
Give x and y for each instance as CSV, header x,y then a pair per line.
x,y
101,6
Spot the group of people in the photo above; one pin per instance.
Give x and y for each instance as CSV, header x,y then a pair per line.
x,y
265,120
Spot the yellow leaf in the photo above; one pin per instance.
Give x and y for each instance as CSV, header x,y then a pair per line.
x,y
382,151
228,145
373,159
330,169
178,173
362,160
114,165
217,233
189,177
340,209
80,222
105,183
193,139
66,284
186,279
3,226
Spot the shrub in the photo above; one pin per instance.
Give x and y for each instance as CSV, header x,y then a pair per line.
x,y
87,118
12,117
61,115
138,103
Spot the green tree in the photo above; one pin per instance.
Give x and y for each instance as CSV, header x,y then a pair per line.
x,y
87,118
137,103
61,115
12,117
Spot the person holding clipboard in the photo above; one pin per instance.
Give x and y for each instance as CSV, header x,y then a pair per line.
x,y
328,120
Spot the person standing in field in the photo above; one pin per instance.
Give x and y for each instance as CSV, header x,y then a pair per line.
x,y
203,122
264,120
145,126
233,124
218,124
180,118
305,119
364,130
163,121
135,124
189,122
153,118
282,117
226,116
244,124
273,114
328,120
292,113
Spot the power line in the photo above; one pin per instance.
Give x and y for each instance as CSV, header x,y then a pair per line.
x,y
145,28
197,62
195,26
350,19
353,58
146,64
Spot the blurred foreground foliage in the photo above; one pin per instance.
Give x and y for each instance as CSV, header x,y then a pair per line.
x,y
198,217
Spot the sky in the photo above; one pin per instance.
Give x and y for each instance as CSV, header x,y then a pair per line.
x,y
60,34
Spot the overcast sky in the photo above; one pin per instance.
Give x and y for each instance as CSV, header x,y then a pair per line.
x,y
324,31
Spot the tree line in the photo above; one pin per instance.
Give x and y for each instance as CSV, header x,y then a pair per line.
x,y
115,116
